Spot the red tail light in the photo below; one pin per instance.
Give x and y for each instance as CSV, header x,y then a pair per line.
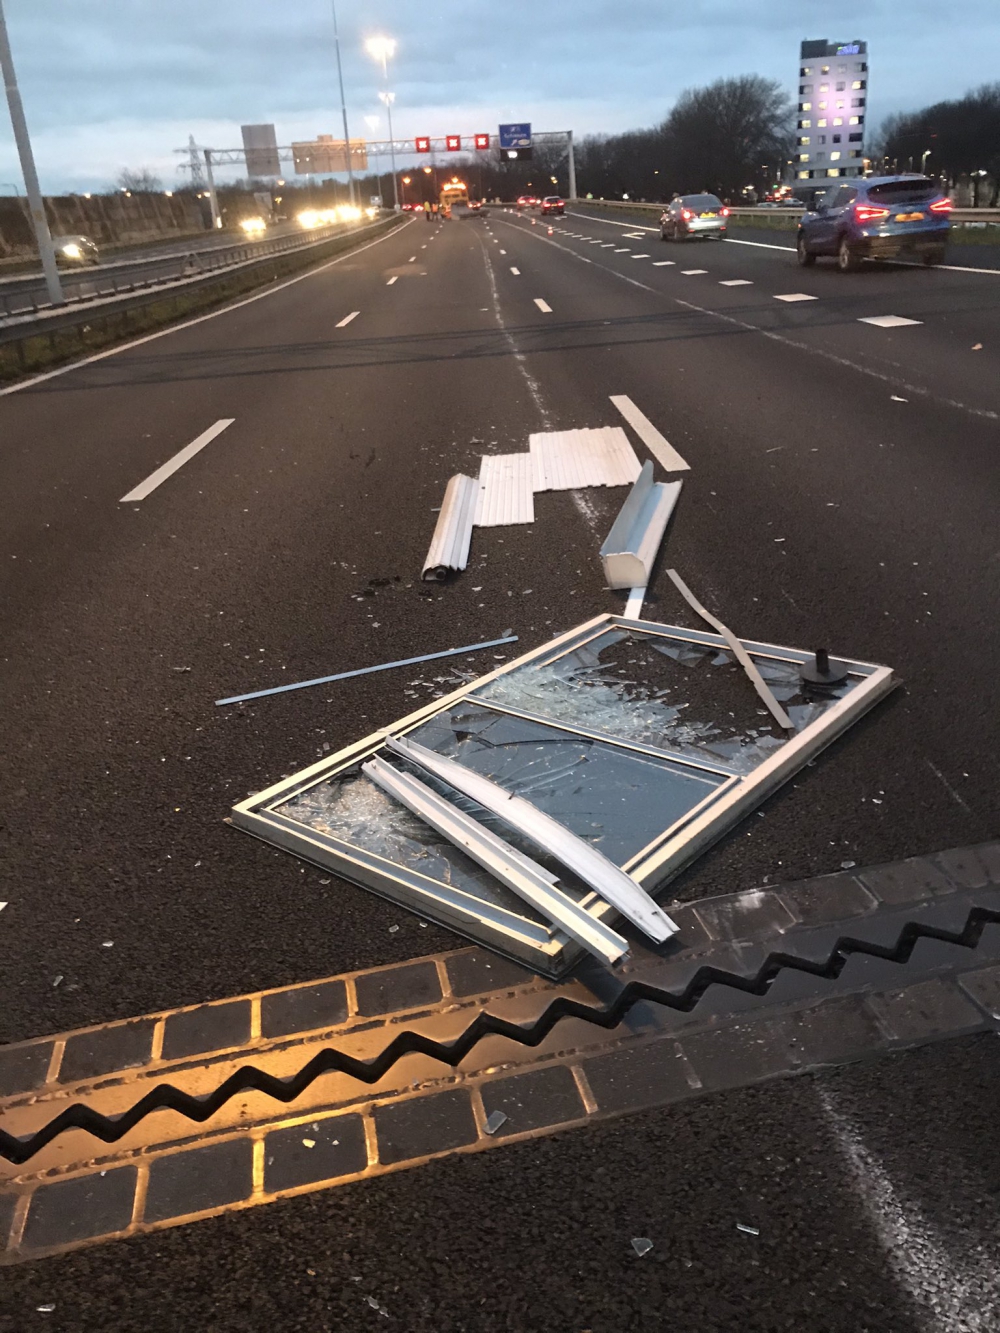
x,y
942,206
725,212
686,215
867,213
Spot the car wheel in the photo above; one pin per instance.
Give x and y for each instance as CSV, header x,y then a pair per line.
x,y
932,257
805,256
663,232
847,258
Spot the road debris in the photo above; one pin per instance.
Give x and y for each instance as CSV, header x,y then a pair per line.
x,y
365,671
553,745
494,1121
631,546
747,1230
449,548
642,1245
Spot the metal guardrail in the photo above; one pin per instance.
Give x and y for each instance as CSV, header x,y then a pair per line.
x,y
32,305
960,215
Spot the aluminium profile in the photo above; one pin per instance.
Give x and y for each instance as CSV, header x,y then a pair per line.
x,y
590,865
636,534
525,877
449,547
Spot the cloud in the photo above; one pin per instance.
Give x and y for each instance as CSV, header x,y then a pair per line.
x,y
114,82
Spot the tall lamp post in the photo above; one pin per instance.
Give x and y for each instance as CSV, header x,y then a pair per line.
x,y
372,122
43,236
382,49
343,106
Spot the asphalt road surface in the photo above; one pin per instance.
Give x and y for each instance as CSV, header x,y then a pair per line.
x,y
842,492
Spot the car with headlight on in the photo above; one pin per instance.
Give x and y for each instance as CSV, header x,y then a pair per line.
x,y
694,215
876,217
75,250
255,226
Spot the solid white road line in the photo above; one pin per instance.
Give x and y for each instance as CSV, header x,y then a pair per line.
x,y
661,449
760,245
170,467
344,322
796,296
665,263
633,607
198,319
544,306
736,282
889,321
392,280
516,272
692,272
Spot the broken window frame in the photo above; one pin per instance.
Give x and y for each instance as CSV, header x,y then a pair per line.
x,y
539,946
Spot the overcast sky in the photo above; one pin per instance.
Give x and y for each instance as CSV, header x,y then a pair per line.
x,y
114,83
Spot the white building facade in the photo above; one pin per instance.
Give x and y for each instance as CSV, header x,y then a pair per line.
x,y
832,102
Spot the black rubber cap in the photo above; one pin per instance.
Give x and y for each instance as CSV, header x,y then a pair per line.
x,y
823,673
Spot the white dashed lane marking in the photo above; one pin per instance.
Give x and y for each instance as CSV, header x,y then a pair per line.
x,y
640,256
693,272
796,296
392,280
624,250
889,321
543,306
344,322
665,263
736,282
516,272
168,469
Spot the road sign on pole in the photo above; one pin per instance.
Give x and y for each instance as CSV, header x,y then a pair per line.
x,y
515,142
260,144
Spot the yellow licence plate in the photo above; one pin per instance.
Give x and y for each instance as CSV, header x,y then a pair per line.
x,y
709,215
909,217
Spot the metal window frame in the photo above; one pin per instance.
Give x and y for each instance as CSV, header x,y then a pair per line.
x,y
545,949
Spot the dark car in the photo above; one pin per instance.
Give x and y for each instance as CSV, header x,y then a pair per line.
x,y
878,217
553,204
74,250
694,215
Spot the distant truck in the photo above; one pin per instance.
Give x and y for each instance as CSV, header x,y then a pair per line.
x,y
455,192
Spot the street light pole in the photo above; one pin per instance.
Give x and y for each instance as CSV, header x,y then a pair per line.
x,y
388,99
43,236
343,106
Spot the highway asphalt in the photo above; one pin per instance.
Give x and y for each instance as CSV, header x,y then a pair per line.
x,y
841,493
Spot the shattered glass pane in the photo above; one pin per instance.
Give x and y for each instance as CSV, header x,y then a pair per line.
x,y
614,798
681,697
353,809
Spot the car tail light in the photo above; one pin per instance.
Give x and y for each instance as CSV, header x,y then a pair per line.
x,y
686,215
868,213
725,212
942,206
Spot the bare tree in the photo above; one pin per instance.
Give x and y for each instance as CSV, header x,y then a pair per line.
x,y
956,140
142,181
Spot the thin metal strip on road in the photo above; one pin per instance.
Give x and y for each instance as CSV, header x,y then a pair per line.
x,y
661,449
168,469
367,671
738,651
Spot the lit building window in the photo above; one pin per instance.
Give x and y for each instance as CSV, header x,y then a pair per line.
x,y
803,175
805,106
838,120
833,171
835,157
824,87
825,69
803,157
805,125
821,105
855,120
857,84
821,124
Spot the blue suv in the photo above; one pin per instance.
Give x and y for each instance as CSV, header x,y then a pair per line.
x,y
876,217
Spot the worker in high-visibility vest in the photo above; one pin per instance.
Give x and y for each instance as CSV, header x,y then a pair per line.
x,y
427,210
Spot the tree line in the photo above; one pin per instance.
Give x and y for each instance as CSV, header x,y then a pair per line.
x,y
957,140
